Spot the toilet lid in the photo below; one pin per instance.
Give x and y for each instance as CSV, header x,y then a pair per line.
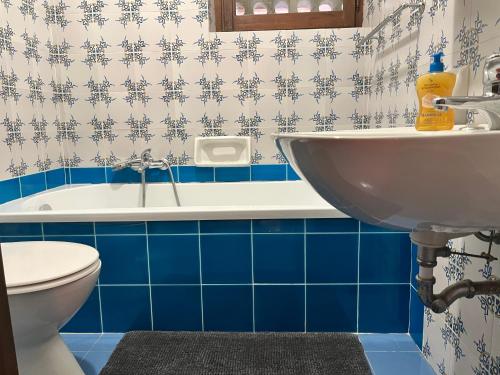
x,y
27,263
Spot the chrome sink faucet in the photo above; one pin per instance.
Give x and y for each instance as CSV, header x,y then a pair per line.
x,y
489,102
144,162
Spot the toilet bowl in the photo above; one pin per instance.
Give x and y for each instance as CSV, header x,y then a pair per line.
x,y
47,282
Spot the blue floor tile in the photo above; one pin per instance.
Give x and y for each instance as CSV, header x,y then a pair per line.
x,y
107,342
397,363
82,342
388,354
79,356
93,362
392,342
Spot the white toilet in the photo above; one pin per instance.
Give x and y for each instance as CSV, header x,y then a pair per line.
x,y
47,282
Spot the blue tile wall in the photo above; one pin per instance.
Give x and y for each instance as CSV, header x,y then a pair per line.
x,y
279,258
195,174
11,189
126,175
232,174
332,226
226,259
385,258
88,175
414,266
55,229
174,259
278,226
331,308
279,308
239,275
23,186
19,239
327,252
21,229
32,184
125,309
228,308
122,227
225,226
87,319
124,259
384,308
277,172
85,240
416,318
416,306
67,175
173,227
55,178
291,175
177,308
159,175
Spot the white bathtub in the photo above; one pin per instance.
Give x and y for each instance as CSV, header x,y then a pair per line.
x,y
200,201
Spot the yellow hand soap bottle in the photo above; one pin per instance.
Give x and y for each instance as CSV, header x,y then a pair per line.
x,y
436,83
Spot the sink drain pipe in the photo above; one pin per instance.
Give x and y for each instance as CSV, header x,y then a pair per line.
x,y
428,252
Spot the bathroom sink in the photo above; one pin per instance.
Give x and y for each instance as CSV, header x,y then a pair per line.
x,y
447,181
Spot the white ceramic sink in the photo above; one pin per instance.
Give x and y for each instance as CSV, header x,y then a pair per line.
x,y
446,181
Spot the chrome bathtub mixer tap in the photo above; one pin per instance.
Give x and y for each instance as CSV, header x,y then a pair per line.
x,y
141,165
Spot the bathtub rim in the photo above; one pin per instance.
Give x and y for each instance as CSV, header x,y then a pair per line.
x,y
170,213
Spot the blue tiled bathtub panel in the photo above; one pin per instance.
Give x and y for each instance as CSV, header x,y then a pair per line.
x,y
300,275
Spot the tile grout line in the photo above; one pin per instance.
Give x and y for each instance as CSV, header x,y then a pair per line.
x,y
149,278
358,284
20,188
215,234
258,284
409,310
253,276
409,289
98,285
45,177
201,279
93,345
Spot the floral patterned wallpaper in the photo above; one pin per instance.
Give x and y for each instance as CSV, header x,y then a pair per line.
x,y
121,76
28,141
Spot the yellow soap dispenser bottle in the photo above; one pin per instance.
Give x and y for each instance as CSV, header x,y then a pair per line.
x,y
436,83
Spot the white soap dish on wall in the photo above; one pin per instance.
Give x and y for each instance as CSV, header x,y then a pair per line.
x,y
222,151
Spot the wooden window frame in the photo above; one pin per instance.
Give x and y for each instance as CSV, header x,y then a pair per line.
x,y
227,20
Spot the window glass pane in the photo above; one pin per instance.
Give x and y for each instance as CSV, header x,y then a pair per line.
x,y
261,7
240,9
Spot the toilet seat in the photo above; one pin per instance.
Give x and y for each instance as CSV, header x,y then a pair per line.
x,y
55,283
39,265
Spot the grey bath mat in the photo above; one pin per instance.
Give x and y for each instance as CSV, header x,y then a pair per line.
x,y
194,353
